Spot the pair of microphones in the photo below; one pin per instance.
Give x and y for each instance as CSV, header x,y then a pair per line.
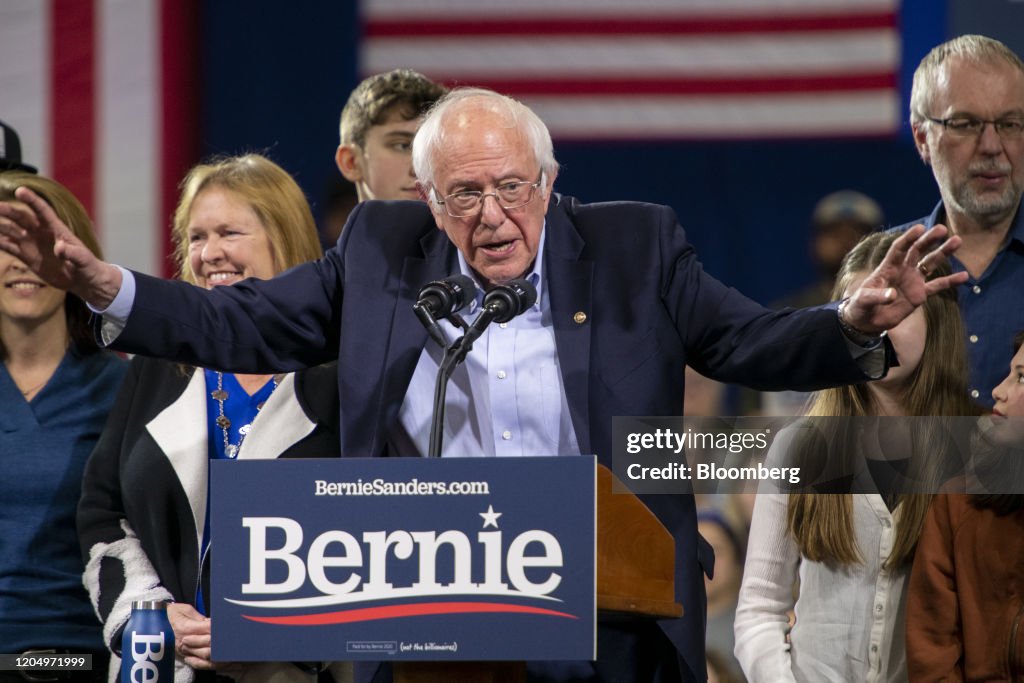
x,y
443,299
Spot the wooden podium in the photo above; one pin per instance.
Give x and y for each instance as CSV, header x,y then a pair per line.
x,y
635,580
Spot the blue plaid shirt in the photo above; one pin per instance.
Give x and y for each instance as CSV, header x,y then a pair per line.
x,y
991,306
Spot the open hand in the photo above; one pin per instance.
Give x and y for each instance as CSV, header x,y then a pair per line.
x,y
32,232
900,283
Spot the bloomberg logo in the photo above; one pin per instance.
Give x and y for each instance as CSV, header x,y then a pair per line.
x,y
521,569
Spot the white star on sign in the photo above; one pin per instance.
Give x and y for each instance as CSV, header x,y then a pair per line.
x,y
490,517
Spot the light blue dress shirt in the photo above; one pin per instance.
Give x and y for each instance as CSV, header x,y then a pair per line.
x,y
506,399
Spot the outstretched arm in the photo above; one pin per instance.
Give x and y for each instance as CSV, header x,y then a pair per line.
x,y
33,233
900,283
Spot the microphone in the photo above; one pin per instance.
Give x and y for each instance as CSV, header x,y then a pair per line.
x,y
440,299
510,299
501,304
444,297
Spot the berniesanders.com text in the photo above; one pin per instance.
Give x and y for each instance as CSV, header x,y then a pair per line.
x,y
410,487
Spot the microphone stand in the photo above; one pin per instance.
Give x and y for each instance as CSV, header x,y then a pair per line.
x,y
501,303
453,355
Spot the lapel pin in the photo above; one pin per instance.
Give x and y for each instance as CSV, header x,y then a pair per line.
x,y
579,317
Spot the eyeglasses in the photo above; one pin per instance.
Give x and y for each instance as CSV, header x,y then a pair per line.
x,y
513,195
971,127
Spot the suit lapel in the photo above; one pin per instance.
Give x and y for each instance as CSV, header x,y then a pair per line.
x,y
179,430
407,338
280,425
569,286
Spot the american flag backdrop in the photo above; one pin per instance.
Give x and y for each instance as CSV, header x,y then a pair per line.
x,y
659,69
112,97
102,95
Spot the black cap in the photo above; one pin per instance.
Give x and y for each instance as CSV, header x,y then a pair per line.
x,y
10,151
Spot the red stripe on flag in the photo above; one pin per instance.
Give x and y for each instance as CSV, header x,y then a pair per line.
x,y
73,98
548,25
179,110
397,611
842,82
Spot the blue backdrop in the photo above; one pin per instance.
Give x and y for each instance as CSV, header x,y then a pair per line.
x,y
276,80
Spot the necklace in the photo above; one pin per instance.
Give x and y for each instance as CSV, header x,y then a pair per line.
x,y
220,396
26,393
31,390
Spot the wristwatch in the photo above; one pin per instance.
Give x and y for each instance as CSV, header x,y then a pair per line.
x,y
851,332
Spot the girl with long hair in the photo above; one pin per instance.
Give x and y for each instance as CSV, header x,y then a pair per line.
x,y
840,561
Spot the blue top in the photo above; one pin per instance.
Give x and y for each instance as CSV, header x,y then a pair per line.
x,y
43,447
240,408
991,308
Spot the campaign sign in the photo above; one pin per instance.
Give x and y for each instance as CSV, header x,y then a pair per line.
x,y
403,559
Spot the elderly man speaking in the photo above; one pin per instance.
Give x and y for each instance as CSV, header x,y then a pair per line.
x,y
623,305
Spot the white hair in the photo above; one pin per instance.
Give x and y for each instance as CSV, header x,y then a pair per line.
x,y
970,47
429,140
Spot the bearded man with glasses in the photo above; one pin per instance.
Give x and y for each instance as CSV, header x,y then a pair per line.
x,y
967,114
623,305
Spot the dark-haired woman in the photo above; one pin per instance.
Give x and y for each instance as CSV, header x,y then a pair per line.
x,y
56,388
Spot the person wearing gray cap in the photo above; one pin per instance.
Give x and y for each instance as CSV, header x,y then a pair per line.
x,y
10,151
840,220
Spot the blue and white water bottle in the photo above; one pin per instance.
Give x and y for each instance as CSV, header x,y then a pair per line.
x,y
147,647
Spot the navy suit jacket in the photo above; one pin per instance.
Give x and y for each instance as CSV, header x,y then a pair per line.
x,y
650,309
